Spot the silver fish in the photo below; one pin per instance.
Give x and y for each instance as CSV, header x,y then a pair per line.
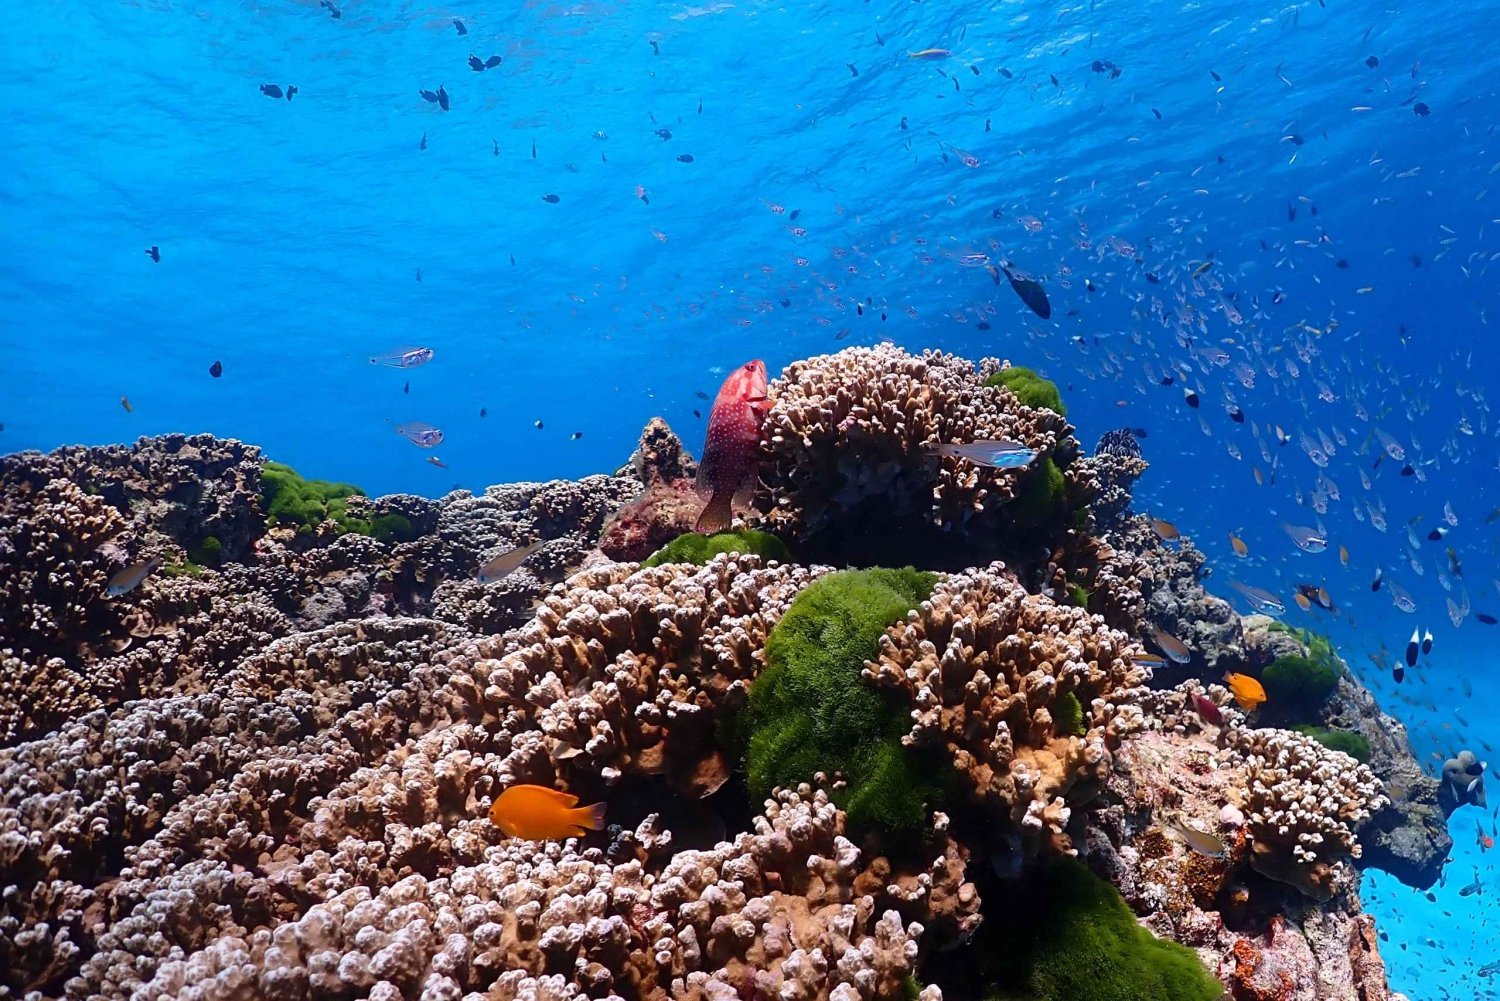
x,y
1203,844
1472,888
1261,600
501,566
421,434
403,358
129,579
999,454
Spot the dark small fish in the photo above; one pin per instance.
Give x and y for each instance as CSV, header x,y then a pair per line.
x,y
792,215
1190,398
290,90
1398,673
533,149
852,69
663,134
1156,113
442,97
459,27
655,47
434,460
1007,73
684,158
125,402
1426,642
1053,77
551,199
475,63
1372,62
698,414
1030,292
1217,78
495,146
492,62
1341,264
1236,414
1421,110
1375,584
423,143
537,425
154,253
419,274
216,369
575,436
1486,618
484,411
429,96
271,90
701,395
406,389
1413,645
1294,139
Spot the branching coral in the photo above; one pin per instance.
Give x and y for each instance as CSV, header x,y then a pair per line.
x,y
1304,803
984,665
855,429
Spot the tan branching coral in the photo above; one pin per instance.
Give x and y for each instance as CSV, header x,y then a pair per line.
x,y
1303,803
854,427
988,669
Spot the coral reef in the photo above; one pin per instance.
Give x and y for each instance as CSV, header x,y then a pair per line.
x,y
264,771
848,443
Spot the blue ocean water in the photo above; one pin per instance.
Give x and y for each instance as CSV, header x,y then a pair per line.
x,y
1257,188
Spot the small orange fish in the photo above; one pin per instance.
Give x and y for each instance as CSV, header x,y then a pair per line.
x,y
1238,545
539,813
1344,555
1165,529
1302,601
1247,691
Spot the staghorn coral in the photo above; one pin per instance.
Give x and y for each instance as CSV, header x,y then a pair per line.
x,y
849,433
984,665
1304,803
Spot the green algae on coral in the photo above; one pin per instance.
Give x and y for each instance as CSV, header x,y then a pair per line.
x,y
1353,744
699,549
287,498
1078,595
1297,686
206,552
1031,389
1067,715
1039,494
809,711
1064,934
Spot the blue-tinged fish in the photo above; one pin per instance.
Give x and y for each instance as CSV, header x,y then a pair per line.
x,y
997,454
129,579
1261,600
420,433
403,358
1171,646
1309,540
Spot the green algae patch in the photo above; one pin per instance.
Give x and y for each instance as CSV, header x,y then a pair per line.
x,y
1039,495
809,711
288,498
1064,934
206,552
1067,715
1297,685
1031,389
1078,595
699,549
1353,744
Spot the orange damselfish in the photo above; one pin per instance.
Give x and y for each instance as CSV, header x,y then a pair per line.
x,y
539,813
1247,691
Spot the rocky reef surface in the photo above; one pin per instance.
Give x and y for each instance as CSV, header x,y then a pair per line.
x,y
264,771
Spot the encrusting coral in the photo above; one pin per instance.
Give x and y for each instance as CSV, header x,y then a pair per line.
x,y
264,771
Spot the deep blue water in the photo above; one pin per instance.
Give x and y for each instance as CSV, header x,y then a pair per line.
x,y
292,235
